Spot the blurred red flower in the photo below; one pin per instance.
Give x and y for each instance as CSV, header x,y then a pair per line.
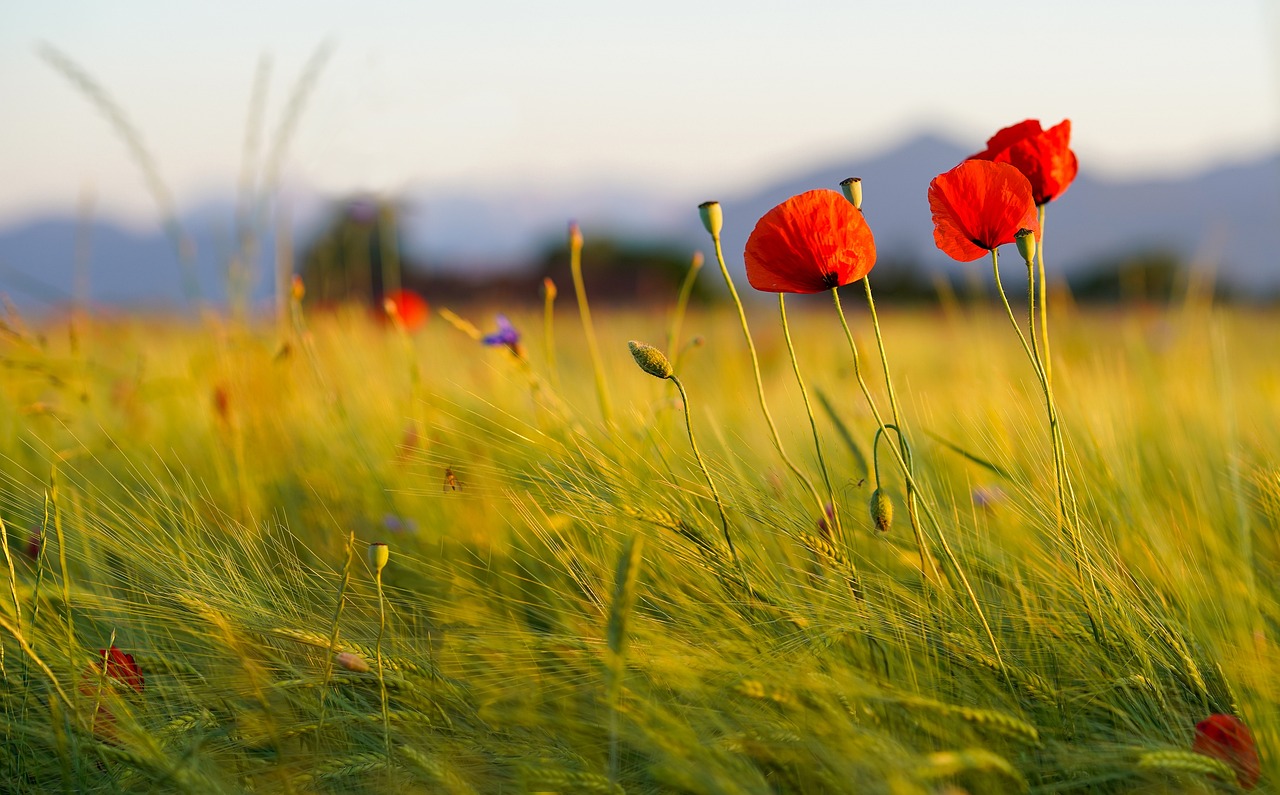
x,y
978,206
99,681
119,666
1043,156
812,242
1226,738
411,308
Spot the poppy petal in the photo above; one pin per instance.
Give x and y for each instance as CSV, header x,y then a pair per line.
x,y
1008,137
810,243
978,206
1225,737
1043,156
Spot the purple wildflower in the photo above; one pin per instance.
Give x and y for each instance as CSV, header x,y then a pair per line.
x,y
505,335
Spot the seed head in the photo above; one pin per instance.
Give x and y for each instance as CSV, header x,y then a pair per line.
x,y
712,217
650,359
379,554
852,190
1026,240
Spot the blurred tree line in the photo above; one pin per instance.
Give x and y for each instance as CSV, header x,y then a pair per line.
x,y
356,256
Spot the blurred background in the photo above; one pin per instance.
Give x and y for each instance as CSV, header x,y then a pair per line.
x,y
155,154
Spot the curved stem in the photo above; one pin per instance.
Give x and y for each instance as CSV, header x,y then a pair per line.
x,y
1061,482
912,515
911,482
813,423
706,473
755,366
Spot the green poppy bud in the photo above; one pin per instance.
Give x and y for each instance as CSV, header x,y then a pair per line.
x,y
379,554
852,190
881,510
1026,240
712,217
650,359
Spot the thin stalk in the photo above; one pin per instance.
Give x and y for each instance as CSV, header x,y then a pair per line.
x,y
382,682
682,304
1045,358
813,423
910,478
912,514
755,368
706,473
575,265
337,619
549,328
1055,436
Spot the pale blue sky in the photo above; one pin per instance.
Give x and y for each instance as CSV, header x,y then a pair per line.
x,y
673,96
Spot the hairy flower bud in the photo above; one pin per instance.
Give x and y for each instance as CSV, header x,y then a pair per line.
x,y
650,359
881,510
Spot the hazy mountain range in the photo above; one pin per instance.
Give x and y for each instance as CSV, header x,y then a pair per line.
x,y
1226,218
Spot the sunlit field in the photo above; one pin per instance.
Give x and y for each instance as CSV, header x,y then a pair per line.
x,y
560,610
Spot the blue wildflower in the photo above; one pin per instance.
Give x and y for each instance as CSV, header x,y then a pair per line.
x,y
505,335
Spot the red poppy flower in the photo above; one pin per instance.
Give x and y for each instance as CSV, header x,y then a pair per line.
x,y
1225,737
119,666
99,681
1043,156
978,206
410,307
810,243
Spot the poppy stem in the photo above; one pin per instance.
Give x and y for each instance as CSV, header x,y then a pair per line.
x,y
1061,481
706,473
1044,302
382,682
813,426
897,422
755,367
911,482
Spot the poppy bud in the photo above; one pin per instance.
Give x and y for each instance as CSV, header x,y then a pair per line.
x,y
650,359
712,217
575,236
852,190
379,554
881,510
1026,240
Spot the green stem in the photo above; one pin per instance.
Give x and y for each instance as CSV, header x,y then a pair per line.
x,y
755,366
682,304
382,682
602,390
1044,303
549,330
1055,436
813,424
912,514
911,482
706,473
